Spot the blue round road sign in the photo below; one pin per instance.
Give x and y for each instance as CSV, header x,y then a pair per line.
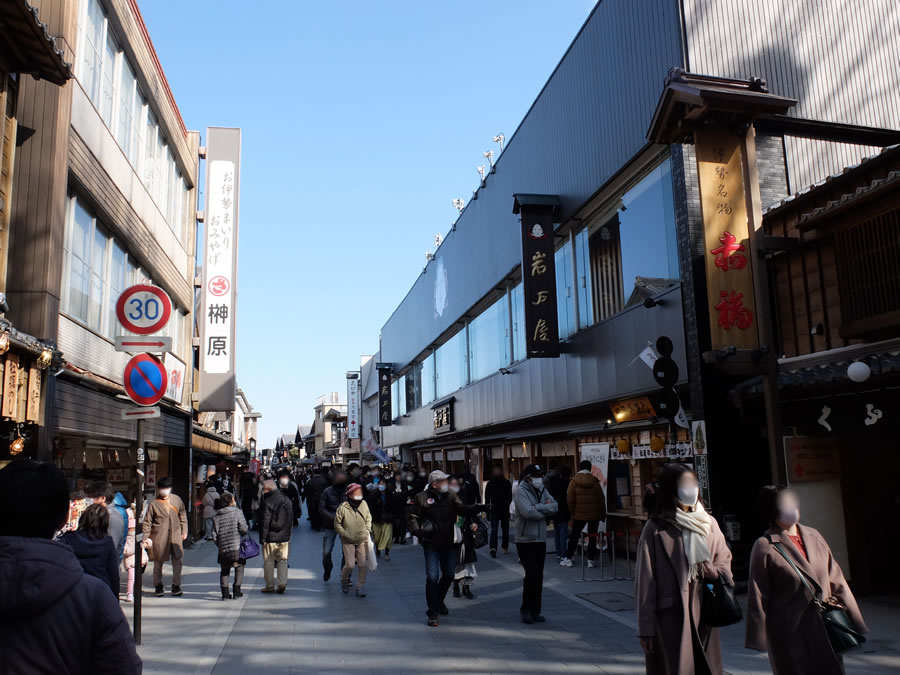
x,y
145,380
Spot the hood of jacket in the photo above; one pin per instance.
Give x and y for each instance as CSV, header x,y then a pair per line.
x,y
584,480
86,548
120,500
34,575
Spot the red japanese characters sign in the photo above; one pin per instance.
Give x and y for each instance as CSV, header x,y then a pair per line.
x,y
729,273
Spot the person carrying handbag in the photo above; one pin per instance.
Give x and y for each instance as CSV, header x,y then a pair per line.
x,y
794,582
229,527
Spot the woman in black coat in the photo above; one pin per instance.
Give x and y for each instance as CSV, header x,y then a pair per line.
x,y
465,566
95,549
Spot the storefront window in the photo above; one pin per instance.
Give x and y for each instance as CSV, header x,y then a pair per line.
x,y
414,387
634,253
450,359
489,340
428,379
565,295
583,279
518,315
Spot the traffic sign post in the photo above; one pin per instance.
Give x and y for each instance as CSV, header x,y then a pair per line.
x,y
145,379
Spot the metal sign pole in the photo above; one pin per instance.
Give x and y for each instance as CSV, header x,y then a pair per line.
x,y
139,550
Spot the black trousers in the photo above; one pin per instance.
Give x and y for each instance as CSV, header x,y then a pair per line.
x,y
575,537
532,558
226,570
499,518
400,528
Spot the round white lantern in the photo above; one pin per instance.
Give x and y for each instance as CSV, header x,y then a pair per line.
x,y
859,371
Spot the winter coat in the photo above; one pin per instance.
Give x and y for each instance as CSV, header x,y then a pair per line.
x,y
54,618
533,507
315,486
165,524
292,492
398,498
98,557
498,493
781,617
379,503
432,516
353,524
470,489
129,553
276,518
558,487
585,497
329,502
209,502
668,602
467,553
118,523
229,526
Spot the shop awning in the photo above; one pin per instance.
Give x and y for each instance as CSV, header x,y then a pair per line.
x,y
28,46
209,443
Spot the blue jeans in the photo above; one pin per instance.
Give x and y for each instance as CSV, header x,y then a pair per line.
x,y
328,538
561,536
440,566
498,518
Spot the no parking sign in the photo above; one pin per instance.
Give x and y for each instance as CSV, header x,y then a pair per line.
x,y
145,380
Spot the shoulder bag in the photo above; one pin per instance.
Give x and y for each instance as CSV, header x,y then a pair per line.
x,y
249,548
840,630
718,606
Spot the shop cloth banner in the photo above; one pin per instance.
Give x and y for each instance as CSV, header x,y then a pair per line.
x,y
598,455
385,417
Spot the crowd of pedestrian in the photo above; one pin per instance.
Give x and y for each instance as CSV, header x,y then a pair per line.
x,y
682,557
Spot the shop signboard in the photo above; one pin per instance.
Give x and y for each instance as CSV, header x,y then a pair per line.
x,y
538,214
217,319
442,414
598,455
175,370
729,266
353,405
385,417
812,458
631,409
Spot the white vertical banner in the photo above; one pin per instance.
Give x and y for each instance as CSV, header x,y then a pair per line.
x,y
352,405
598,455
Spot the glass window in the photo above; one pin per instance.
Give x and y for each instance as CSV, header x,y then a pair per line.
x,y
79,262
90,62
107,84
518,312
427,379
99,248
489,340
565,295
414,387
150,153
398,397
634,253
126,110
583,270
118,282
450,359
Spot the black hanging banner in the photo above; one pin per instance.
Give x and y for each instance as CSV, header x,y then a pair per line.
x,y
385,418
538,214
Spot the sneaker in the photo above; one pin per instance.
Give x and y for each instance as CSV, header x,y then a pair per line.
x,y
566,562
159,591
432,621
268,589
493,553
176,591
591,563
345,588
129,597
280,590
360,593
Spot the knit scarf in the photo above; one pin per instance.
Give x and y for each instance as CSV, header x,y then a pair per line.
x,y
695,527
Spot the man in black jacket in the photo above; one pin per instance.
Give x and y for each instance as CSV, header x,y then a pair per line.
x,y
400,496
275,534
431,518
314,489
289,488
498,495
328,505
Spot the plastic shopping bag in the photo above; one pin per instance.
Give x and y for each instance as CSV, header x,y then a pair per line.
x,y
371,560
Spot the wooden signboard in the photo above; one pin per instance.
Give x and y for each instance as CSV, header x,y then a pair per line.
x,y
729,268
33,405
630,409
10,404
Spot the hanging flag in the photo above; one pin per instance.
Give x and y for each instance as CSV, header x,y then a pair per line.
x,y
681,417
648,356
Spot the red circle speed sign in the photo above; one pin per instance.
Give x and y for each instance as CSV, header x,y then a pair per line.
x,y
145,379
143,309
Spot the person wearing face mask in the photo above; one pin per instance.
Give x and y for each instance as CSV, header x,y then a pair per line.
x,y
420,481
587,506
432,518
288,487
165,528
353,522
399,494
382,516
534,504
329,502
681,548
464,539
782,617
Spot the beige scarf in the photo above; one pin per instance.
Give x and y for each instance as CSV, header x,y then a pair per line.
x,y
695,527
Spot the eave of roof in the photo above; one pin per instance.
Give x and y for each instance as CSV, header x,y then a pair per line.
x,y
29,46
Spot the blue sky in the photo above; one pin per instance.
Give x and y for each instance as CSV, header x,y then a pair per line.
x,y
360,121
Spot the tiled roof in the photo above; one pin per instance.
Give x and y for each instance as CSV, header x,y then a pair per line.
x,y
36,51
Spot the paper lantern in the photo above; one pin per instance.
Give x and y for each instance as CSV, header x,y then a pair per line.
x,y
657,444
623,446
859,371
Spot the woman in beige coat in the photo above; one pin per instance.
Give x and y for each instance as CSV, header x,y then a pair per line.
x,y
353,523
781,616
681,548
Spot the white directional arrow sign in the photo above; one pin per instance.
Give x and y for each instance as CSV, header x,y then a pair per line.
x,y
143,343
141,413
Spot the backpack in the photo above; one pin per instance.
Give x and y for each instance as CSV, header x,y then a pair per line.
x,y
217,503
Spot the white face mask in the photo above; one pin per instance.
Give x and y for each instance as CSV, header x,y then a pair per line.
x,y
454,488
789,517
356,498
444,487
165,492
284,482
688,495
537,482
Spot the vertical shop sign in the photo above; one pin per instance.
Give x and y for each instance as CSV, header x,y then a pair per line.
x,y
11,387
217,340
538,214
385,417
352,405
33,406
729,268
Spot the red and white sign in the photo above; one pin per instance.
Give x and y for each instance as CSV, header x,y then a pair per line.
x,y
145,380
143,309
219,286
141,413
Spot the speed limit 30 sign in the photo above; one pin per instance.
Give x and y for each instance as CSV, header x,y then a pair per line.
x,y
143,309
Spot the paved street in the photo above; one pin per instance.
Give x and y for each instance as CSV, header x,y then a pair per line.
x,y
315,628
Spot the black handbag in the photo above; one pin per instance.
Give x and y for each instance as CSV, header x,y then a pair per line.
x,y
841,633
480,536
719,607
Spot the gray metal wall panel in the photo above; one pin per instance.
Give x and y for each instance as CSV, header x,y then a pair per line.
x,y
598,366
589,120
840,60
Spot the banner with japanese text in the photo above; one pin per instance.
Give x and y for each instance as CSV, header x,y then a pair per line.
x,y
352,405
385,416
539,280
